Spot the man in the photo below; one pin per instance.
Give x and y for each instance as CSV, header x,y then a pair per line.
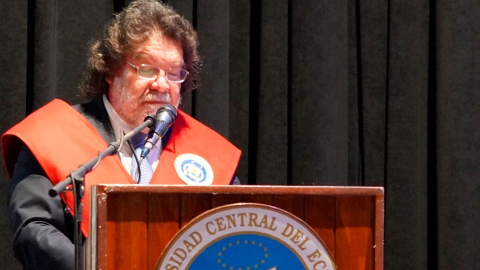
x,y
146,58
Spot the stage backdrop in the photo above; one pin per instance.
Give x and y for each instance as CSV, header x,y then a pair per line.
x,y
314,92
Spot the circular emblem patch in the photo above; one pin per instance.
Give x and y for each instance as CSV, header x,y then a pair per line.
x,y
194,170
246,236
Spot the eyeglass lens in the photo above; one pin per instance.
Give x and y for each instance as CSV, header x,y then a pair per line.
x,y
173,75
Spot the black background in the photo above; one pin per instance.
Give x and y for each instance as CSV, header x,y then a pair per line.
x,y
314,92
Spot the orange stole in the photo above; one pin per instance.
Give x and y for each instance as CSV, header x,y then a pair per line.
x,y
61,139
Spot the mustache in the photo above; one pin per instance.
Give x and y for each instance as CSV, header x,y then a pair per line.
x,y
157,97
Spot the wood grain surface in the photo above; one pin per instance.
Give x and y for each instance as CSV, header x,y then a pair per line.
x,y
138,222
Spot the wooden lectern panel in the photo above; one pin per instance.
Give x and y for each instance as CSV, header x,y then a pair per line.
x,y
320,215
355,225
131,225
163,223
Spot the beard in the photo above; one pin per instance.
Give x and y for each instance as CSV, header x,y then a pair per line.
x,y
150,104
133,112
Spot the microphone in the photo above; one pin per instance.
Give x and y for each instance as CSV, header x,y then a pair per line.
x,y
164,119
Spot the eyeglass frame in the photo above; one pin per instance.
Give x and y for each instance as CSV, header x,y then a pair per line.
x,y
159,70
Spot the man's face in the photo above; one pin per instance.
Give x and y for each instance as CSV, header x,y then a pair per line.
x,y
133,97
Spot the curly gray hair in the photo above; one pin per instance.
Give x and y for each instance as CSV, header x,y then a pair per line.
x,y
130,29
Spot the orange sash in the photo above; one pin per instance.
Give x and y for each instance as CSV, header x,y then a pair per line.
x,y
61,139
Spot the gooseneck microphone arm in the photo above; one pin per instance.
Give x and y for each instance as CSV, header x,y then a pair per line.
x,y
76,179
112,148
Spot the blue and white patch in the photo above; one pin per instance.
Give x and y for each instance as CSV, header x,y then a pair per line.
x,y
246,236
194,170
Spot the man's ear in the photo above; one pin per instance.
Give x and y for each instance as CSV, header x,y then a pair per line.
x,y
109,78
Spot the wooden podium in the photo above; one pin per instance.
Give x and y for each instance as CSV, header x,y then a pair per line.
x,y
130,225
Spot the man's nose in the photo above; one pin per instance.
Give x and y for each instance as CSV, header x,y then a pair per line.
x,y
160,82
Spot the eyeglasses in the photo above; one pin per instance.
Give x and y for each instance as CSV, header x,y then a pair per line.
x,y
174,75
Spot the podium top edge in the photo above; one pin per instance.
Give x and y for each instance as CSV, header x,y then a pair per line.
x,y
243,189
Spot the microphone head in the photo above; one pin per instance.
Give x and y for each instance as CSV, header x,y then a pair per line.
x,y
165,117
166,114
169,108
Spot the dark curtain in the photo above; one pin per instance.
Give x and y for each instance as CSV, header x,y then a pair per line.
x,y
314,92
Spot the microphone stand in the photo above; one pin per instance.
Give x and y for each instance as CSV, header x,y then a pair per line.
x,y
77,180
